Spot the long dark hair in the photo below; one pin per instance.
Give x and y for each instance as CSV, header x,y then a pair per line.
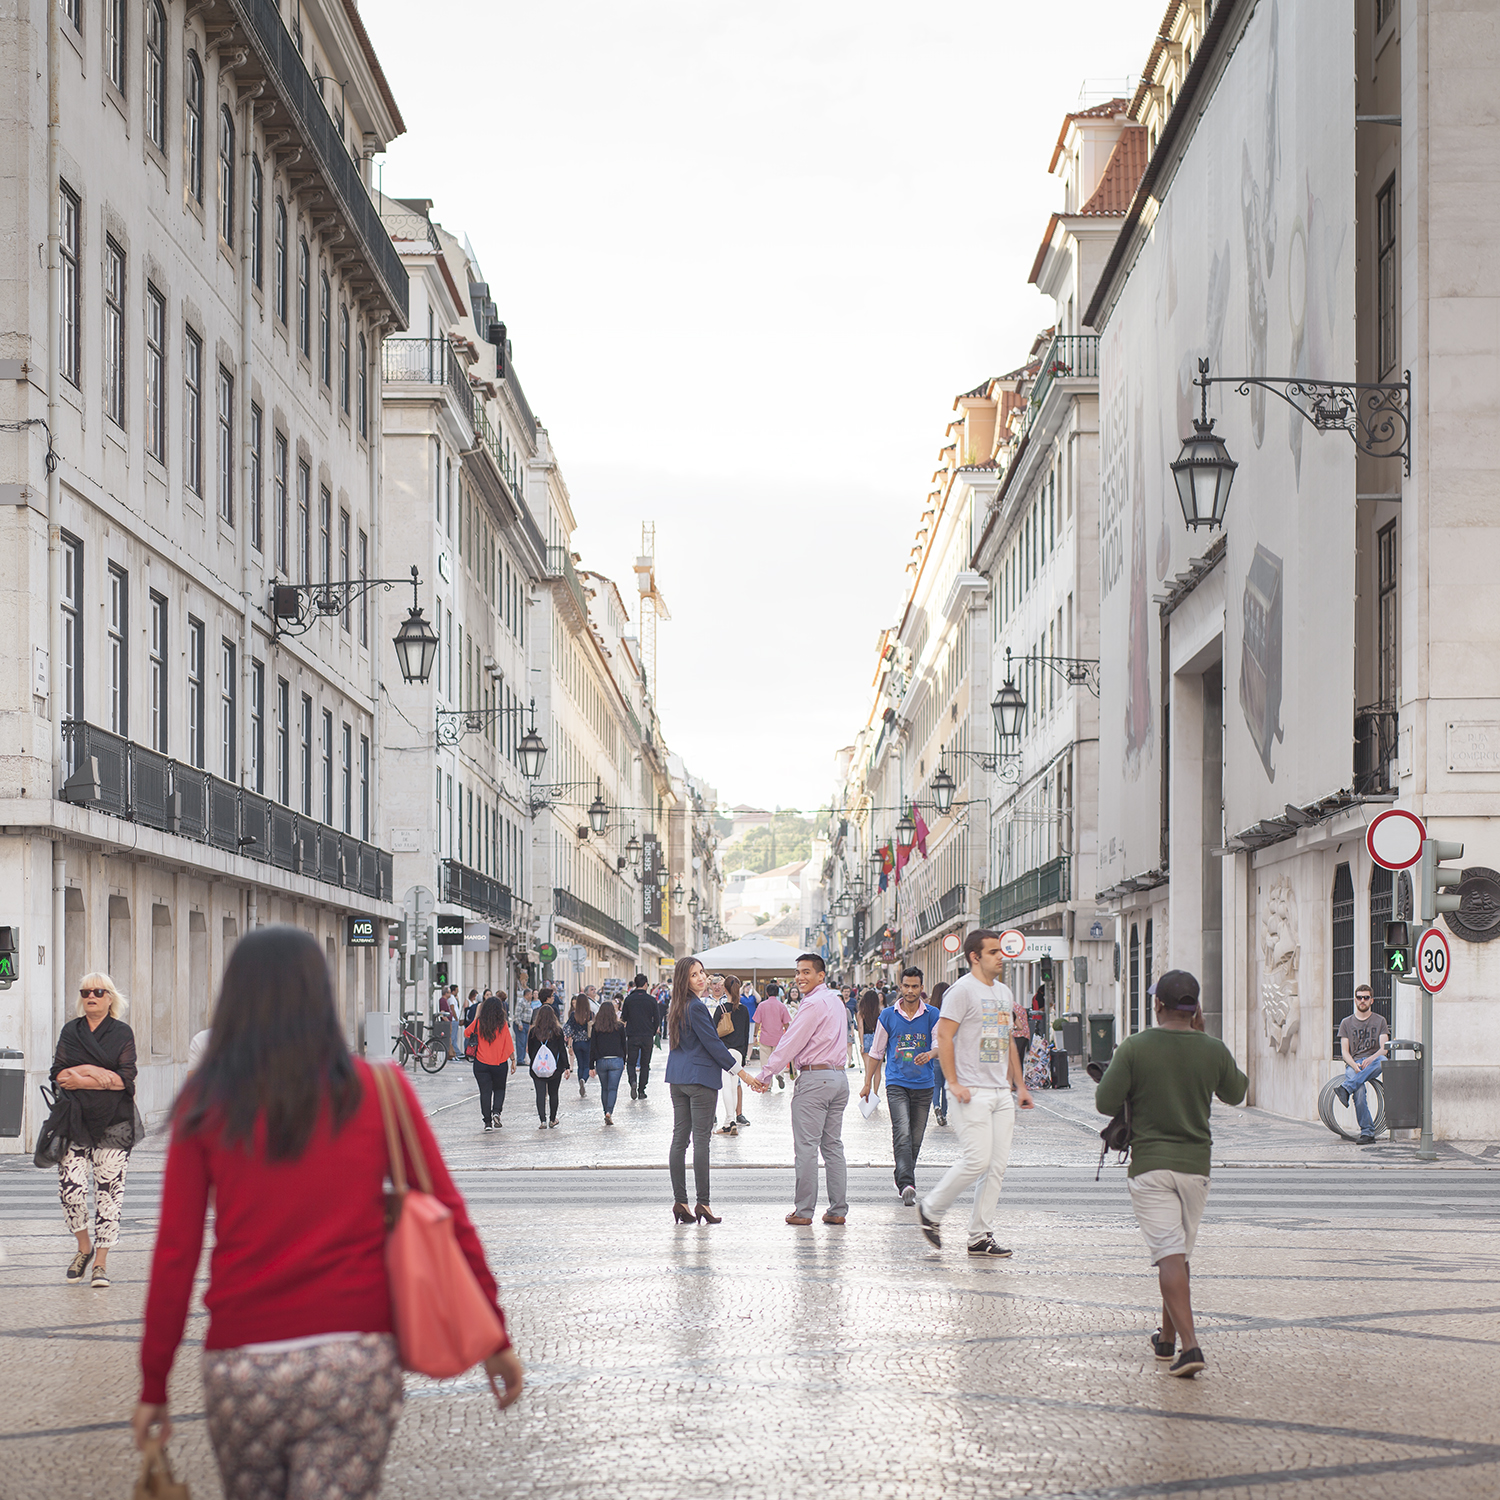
x,y
682,997
607,1020
869,1011
544,1024
938,991
732,989
276,1050
583,1012
491,1017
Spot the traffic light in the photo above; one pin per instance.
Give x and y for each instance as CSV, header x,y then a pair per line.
x,y
425,945
1435,879
1398,949
397,932
440,974
7,957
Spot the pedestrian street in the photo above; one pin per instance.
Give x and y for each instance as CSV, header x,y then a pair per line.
x,y
1345,1302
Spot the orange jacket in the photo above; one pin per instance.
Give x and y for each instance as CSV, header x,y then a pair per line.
x,y
501,1050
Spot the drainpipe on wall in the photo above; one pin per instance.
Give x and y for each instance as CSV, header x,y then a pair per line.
x,y
375,428
247,494
54,515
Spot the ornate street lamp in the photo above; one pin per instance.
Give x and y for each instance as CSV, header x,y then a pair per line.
x,y
906,831
1204,471
943,788
598,810
677,895
663,878
416,641
694,903
1009,708
633,852
532,750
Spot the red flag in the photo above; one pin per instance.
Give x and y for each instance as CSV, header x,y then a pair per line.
x,y
916,813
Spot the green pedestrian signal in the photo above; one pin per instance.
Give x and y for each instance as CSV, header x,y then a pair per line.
x,y
8,941
440,975
1396,961
1398,948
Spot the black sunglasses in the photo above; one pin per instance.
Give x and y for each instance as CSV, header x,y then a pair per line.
x,y
98,994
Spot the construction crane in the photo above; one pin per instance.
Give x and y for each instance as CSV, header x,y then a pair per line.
x,y
653,606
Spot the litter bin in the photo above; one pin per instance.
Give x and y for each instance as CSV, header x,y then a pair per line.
x,y
1072,1034
12,1090
380,1035
1102,1038
1401,1078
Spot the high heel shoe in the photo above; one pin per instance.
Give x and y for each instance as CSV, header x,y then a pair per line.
x,y
681,1214
705,1217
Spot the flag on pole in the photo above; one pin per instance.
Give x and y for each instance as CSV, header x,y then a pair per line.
x,y
916,813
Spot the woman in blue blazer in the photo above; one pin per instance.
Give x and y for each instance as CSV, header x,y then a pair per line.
x,y
696,1066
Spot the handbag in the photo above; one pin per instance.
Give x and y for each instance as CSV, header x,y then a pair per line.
x,y
544,1065
725,1026
51,1141
445,1324
157,1481
1116,1137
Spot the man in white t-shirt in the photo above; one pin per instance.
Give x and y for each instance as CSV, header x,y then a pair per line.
x,y
982,1064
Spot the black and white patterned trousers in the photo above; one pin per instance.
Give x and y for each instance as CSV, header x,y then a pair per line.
x,y
107,1163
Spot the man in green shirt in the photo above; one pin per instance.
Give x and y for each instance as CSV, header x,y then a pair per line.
x,y
1169,1074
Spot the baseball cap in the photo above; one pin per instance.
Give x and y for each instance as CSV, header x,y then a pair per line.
x,y
1176,989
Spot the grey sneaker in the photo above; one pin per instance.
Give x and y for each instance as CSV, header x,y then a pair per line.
x,y
100,1279
79,1264
909,1196
932,1229
987,1249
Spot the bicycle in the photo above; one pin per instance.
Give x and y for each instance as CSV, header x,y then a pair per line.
x,y
433,1053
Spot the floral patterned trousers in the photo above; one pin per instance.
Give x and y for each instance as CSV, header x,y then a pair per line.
x,y
107,1164
303,1424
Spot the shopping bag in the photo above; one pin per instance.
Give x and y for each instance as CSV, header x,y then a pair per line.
x,y
157,1481
544,1065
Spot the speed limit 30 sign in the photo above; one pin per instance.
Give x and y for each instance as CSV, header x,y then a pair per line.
x,y
1434,959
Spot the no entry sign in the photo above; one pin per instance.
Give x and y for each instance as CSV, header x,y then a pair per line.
x,y
1394,839
1012,943
1434,960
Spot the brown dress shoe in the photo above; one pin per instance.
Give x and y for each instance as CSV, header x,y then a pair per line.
x,y
795,1218
832,1218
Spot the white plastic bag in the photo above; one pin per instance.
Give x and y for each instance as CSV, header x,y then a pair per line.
x,y
544,1065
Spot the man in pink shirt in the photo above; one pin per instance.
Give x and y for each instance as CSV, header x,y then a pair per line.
x,y
771,1021
814,1044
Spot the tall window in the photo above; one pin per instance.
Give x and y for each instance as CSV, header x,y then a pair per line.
x,y
257,536
72,613
257,745
362,390
364,573
283,742
257,187
1343,948
1385,260
158,668
114,333
156,74
325,329
226,445
197,706
328,767
226,175
346,753
156,374
73,10
304,521
278,270
192,410
1135,978
278,498
119,661
307,754
1382,909
227,694
325,534
344,360
1385,541
193,100
71,313
304,293
114,41
344,561
364,787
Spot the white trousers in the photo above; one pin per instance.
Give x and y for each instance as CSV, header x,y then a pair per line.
x,y
730,1084
984,1127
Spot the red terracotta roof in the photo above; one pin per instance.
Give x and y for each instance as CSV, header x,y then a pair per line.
x,y
1106,111
1122,174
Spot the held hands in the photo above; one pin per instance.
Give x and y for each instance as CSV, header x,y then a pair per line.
x,y
506,1365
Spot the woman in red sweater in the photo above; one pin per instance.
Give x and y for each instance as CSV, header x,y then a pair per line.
x,y
301,1375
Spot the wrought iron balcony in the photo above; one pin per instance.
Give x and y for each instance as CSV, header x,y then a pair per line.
x,y
560,565
465,887
658,944
570,909
410,361
1043,886
1070,356
143,786
948,906
1376,735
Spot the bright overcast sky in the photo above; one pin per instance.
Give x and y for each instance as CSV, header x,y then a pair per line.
x,y
747,255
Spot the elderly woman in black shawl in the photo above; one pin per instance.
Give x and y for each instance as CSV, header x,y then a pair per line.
x,y
94,1074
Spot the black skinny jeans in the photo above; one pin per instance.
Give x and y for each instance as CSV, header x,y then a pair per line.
x,y
692,1114
491,1080
638,1051
546,1094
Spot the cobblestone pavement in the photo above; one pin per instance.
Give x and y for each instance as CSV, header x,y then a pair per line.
x,y
1346,1306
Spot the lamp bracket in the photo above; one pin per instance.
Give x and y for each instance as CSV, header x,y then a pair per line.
x,y
1377,415
1007,767
297,607
454,723
1077,671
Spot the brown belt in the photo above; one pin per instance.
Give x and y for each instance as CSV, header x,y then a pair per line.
x,y
815,1067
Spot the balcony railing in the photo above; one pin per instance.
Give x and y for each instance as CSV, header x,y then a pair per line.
x,y
289,76
428,362
1070,356
1035,889
581,914
950,905
560,565
657,943
465,887
143,786
1376,731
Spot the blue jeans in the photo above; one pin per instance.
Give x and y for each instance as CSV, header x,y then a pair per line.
x,y
908,1109
1355,1080
581,1048
940,1093
609,1070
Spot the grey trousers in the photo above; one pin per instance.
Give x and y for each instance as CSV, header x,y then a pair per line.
x,y
818,1101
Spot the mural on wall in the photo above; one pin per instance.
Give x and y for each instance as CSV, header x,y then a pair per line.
x,y
1281,956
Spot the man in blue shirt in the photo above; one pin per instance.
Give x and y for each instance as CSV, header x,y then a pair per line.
x,y
904,1038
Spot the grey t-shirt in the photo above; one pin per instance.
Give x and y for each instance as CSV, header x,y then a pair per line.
x,y
981,1048
1363,1036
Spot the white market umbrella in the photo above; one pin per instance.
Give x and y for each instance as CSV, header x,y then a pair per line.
x,y
751,955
